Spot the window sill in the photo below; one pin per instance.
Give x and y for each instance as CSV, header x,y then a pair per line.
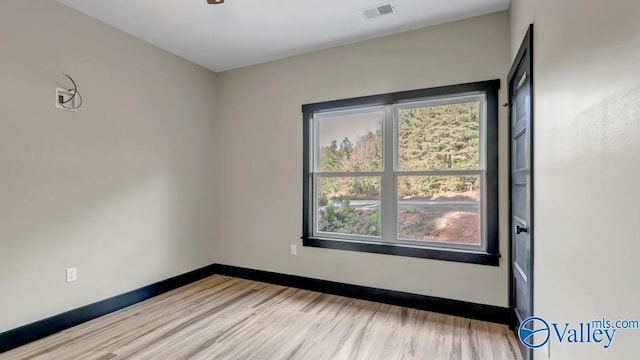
x,y
465,256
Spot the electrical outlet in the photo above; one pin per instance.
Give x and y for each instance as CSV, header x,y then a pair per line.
x,y
72,274
294,249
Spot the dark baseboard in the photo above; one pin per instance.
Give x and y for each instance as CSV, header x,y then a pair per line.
x,y
465,309
38,330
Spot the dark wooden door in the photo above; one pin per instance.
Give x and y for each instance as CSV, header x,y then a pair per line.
x,y
521,207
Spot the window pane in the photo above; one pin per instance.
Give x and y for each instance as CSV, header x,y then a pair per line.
x,y
441,137
439,208
349,205
350,142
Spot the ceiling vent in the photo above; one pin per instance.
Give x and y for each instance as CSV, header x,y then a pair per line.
x,y
379,10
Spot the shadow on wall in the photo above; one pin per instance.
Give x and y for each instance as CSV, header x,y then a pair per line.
x,y
126,211
125,197
122,188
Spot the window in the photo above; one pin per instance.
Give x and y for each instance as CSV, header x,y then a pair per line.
x,y
411,173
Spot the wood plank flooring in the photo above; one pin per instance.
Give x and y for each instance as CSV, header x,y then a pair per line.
x,y
227,318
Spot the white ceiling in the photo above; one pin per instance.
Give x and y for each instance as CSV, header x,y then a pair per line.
x,y
246,32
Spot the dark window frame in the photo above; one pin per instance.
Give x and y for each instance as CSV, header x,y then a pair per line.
x,y
489,257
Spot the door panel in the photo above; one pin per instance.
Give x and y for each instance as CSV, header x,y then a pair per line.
x,y
521,250
520,158
519,205
522,298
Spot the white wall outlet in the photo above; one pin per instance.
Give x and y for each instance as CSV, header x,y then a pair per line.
x,y
72,274
65,100
294,249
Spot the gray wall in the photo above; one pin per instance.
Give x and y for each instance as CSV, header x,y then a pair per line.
x,y
260,179
587,139
123,188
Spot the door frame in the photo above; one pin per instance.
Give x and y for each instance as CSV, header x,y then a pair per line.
x,y
525,52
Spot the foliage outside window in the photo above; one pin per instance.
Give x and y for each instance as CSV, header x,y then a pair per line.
x,y
411,170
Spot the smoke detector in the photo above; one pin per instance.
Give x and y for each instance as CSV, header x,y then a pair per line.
x,y
379,10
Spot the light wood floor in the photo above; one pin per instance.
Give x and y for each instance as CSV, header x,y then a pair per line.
x,y
228,318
